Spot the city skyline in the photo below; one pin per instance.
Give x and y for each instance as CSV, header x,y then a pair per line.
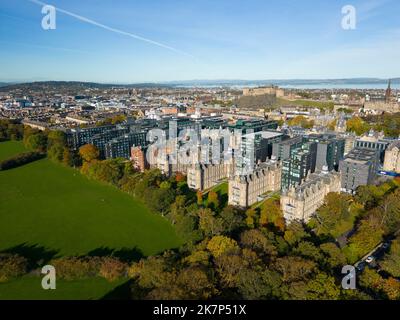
x,y
127,42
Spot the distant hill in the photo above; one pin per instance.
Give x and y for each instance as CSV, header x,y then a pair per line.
x,y
321,83
40,85
288,82
256,102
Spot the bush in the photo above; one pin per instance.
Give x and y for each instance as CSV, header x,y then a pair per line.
x,y
75,268
112,269
20,160
12,266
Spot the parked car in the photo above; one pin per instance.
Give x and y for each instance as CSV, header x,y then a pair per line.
x,y
361,266
370,259
385,245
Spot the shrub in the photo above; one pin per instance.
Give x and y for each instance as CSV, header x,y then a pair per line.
x,y
112,269
20,160
12,266
73,268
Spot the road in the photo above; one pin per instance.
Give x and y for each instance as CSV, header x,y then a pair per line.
x,y
379,251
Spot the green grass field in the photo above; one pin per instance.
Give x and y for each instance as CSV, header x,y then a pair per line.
x,y
29,288
48,210
46,204
11,148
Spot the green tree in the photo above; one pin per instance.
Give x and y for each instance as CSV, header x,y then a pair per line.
x,y
56,137
323,287
295,232
257,241
308,250
56,152
232,219
209,223
37,142
219,245
334,256
391,262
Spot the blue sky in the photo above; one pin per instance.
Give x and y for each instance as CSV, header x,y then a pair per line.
x,y
199,39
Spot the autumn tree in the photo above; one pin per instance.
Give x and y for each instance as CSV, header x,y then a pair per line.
x,y
357,125
213,200
302,122
199,196
271,213
335,211
251,217
294,268
89,152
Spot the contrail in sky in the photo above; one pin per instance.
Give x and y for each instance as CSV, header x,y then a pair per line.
x,y
100,25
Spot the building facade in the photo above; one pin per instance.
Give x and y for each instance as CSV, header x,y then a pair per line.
x,y
245,190
392,158
139,159
330,150
300,203
358,168
302,162
205,176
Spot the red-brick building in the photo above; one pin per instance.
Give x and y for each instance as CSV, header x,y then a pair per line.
x,y
138,158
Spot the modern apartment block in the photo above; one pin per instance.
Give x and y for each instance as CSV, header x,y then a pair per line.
x,y
392,158
282,150
358,168
121,147
330,150
255,148
302,162
79,137
245,190
301,202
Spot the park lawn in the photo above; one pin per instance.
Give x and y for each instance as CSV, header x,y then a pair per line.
x,y
9,149
222,189
29,288
51,210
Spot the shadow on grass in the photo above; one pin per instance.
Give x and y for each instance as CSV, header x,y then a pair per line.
x,y
122,292
36,254
124,254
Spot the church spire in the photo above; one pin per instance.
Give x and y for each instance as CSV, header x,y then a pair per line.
x,y
388,92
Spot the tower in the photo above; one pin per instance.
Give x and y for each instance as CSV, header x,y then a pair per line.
x,y
388,92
